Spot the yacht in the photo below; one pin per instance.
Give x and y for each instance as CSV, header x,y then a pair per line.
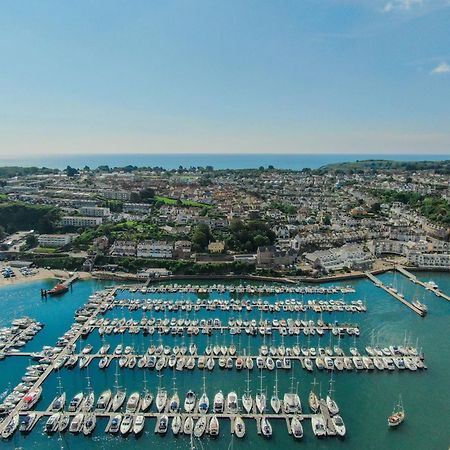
x,y
161,399
189,401
103,401
232,403
188,426
58,403
176,424
214,426
89,424
275,401
339,425
239,427
27,423
398,415
420,306
52,423
200,427
77,423
266,427
118,399
318,426
218,403
296,427
64,422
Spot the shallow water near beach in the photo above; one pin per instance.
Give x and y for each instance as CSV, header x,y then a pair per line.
x,y
365,399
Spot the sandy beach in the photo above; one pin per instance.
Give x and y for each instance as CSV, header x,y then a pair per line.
x,y
40,274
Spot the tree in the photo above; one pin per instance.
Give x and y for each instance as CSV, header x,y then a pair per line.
x,y
31,241
71,172
147,193
326,219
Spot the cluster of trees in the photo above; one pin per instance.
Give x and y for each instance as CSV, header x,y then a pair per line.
x,y
375,165
247,237
434,208
129,230
15,171
201,236
284,208
181,267
18,216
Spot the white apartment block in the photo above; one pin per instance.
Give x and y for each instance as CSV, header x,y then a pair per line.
x,y
136,208
430,260
94,211
117,195
154,249
81,221
56,240
124,248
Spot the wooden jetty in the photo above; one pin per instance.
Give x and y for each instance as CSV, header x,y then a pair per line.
x,y
394,294
424,284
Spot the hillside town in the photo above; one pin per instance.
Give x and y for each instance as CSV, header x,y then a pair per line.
x,y
152,222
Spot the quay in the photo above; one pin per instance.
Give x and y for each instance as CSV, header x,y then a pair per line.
x,y
398,297
424,284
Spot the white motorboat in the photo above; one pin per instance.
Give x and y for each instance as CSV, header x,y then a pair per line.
x,y
126,424
77,423
133,402
139,423
114,425
76,401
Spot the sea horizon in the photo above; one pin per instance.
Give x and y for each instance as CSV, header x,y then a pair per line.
x,y
217,161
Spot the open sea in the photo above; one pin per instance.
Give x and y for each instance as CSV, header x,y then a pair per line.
x,y
218,161
365,399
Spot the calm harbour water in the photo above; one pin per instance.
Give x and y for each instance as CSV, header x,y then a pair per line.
x,y
365,399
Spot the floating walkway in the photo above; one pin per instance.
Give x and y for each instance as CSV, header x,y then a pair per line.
x,y
424,284
394,294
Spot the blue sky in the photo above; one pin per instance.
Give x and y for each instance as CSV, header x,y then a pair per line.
x,y
300,76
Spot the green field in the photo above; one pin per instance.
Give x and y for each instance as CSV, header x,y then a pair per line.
x,y
174,201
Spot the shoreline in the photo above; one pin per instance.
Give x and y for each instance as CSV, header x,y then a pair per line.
x,y
42,274
49,274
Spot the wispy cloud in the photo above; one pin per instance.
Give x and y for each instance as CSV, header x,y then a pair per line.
x,y
401,5
441,69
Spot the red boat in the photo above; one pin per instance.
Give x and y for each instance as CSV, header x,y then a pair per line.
x,y
58,289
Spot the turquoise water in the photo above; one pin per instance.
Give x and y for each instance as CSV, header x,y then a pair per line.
x,y
365,399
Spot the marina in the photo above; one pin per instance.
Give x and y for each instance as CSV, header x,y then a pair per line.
x,y
146,351
17,335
